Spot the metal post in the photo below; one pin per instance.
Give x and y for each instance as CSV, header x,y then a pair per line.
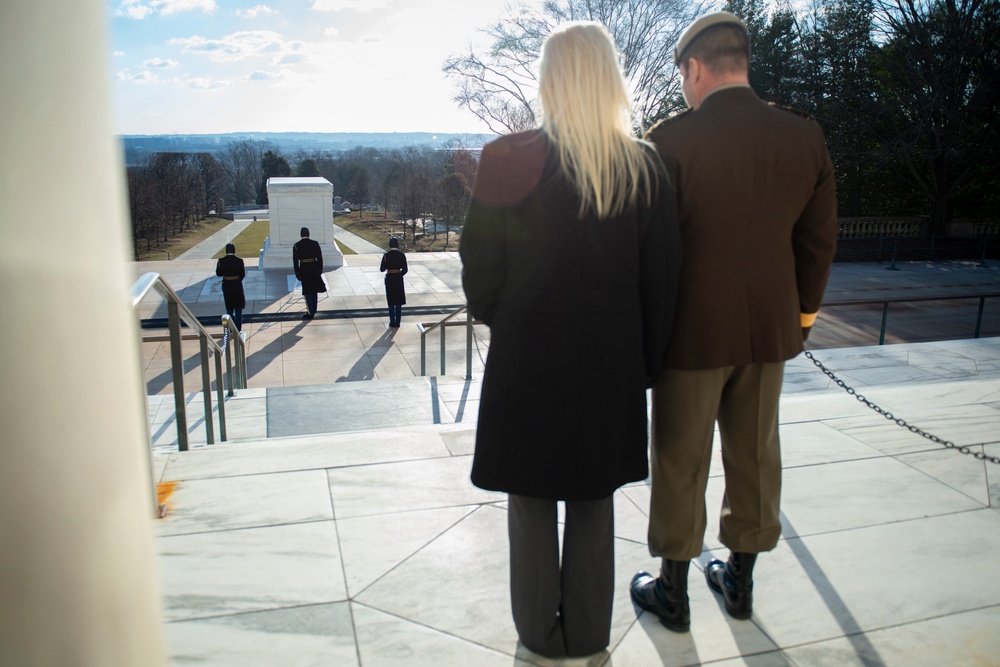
x,y
979,318
468,344
229,357
885,318
206,389
444,330
229,370
892,266
241,354
880,239
423,353
145,421
220,398
177,368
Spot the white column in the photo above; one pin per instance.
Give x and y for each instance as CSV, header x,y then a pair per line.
x,y
78,578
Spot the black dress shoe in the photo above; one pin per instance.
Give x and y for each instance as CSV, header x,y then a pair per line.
x,y
306,316
733,580
665,596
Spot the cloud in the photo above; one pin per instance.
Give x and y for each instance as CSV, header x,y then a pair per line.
x,y
350,5
135,9
290,59
145,76
260,75
237,46
254,12
118,54
173,6
201,83
331,32
160,62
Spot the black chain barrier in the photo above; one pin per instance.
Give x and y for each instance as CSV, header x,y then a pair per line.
x,y
965,449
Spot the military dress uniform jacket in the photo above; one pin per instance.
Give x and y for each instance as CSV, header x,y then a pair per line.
x,y
232,271
394,264
579,312
758,220
307,260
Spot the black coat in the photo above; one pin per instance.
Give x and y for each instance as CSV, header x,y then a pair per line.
x,y
307,260
579,314
230,267
394,262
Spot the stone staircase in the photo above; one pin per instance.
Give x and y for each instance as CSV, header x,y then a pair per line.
x,y
351,535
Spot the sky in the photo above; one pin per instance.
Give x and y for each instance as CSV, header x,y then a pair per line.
x,y
216,66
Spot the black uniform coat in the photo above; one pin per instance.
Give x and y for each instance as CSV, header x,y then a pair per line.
x,y
231,266
758,216
310,273
579,312
394,262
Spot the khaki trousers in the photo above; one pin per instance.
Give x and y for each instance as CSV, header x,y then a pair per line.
x,y
686,406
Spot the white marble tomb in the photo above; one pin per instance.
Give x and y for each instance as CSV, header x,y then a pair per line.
x,y
295,203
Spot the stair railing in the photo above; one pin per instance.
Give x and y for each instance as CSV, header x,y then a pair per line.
x,y
427,327
177,311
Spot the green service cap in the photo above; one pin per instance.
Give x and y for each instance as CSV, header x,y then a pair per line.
x,y
707,21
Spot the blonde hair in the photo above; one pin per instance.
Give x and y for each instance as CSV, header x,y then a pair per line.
x,y
586,113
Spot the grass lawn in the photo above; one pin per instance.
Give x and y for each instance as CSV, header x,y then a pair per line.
x,y
372,227
196,233
250,241
377,229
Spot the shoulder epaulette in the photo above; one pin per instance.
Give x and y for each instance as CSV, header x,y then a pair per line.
x,y
797,112
669,119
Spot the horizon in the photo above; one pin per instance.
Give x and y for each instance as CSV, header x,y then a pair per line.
x,y
252,132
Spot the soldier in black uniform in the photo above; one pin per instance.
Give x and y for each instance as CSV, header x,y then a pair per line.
x,y
394,263
307,260
232,271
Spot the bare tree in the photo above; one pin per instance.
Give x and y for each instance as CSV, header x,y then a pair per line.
x,y
212,176
499,84
452,196
236,163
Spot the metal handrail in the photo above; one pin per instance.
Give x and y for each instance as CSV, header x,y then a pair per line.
x,y
231,333
176,311
982,296
427,327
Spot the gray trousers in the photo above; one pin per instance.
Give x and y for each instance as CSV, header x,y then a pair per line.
x,y
562,611
686,406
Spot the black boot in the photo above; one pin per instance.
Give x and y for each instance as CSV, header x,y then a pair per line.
x,y
734,581
666,595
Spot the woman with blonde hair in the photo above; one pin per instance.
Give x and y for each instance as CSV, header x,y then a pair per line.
x,y
570,254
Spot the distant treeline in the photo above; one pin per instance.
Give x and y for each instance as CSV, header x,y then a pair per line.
x,y
139,147
170,190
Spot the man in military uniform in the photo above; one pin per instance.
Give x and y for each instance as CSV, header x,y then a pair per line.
x,y
757,208
307,261
231,269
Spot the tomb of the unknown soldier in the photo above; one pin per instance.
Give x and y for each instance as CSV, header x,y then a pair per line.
x,y
296,202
